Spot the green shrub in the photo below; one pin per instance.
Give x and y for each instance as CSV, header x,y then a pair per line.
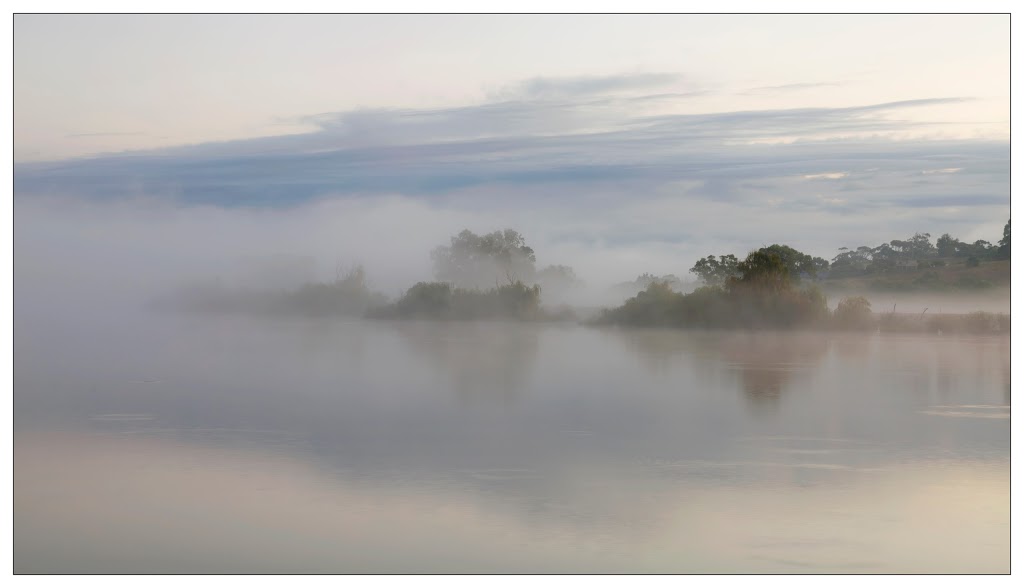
x,y
425,299
853,313
440,300
657,305
348,295
741,305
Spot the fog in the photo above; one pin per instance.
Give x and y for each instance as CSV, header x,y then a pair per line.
x,y
996,300
116,253
77,253
405,294
430,446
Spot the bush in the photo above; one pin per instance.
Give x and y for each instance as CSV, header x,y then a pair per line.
x,y
425,299
717,307
658,305
348,295
440,300
853,313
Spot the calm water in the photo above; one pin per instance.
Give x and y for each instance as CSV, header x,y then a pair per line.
x,y
177,444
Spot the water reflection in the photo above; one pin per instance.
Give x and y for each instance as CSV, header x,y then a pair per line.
x,y
768,362
661,349
159,507
308,446
484,361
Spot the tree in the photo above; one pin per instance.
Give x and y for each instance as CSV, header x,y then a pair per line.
x,y
820,265
850,262
854,312
481,261
557,281
714,272
1004,244
947,245
798,264
982,248
560,275
762,272
920,246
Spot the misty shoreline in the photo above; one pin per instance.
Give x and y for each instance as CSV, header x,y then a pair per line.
x,y
929,322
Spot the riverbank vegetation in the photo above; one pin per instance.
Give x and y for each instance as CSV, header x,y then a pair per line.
x,y
494,276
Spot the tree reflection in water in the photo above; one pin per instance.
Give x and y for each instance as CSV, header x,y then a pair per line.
x,y
487,361
767,362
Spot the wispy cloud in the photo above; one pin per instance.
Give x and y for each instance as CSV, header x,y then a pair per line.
x,y
761,90
599,167
91,135
826,176
571,87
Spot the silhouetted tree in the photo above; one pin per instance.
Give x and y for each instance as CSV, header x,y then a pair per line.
x,y
1004,244
853,313
947,245
557,277
481,261
715,272
797,263
764,272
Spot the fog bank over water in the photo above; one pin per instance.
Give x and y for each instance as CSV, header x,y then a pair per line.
x,y
413,293
996,300
117,252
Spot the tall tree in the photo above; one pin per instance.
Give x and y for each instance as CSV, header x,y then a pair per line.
x,y
1004,244
714,272
947,245
798,264
763,272
481,261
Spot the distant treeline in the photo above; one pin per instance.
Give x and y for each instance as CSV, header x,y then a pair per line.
x,y
896,256
763,290
494,276
478,276
917,252
765,293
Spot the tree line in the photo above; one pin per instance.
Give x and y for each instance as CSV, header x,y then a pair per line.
x,y
494,275
917,252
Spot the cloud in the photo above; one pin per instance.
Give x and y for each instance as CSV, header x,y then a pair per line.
x,y
570,87
592,178
91,135
788,88
524,143
827,176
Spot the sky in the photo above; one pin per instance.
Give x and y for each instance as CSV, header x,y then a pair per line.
x,y
618,144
